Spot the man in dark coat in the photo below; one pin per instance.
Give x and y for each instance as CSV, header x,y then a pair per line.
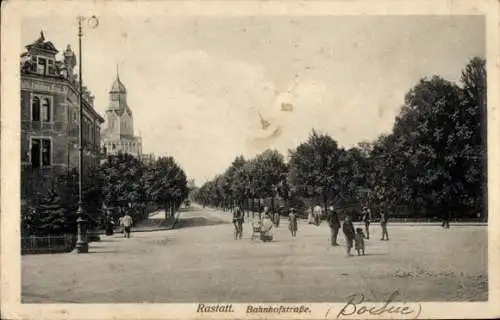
x,y
334,223
349,232
366,218
384,218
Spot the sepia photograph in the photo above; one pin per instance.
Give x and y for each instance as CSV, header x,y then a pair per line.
x,y
264,161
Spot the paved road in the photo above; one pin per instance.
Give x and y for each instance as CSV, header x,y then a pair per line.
x,y
202,262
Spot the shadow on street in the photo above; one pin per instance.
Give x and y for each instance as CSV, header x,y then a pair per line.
x,y
198,222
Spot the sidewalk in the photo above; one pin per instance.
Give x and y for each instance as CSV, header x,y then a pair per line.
x,y
157,222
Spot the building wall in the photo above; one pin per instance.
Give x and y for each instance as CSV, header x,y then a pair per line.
x,y
55,129
62,130
126,125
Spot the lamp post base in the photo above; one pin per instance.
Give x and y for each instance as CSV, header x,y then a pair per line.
x,y
81,247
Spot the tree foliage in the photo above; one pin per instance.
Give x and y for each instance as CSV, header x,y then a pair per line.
x,y
432,163
122,183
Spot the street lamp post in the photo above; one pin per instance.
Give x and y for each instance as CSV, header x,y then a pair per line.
x,y
82,245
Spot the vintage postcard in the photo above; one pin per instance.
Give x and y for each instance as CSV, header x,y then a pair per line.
x,y
250,159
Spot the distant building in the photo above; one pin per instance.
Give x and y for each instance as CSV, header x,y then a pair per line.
x,y
191,184
119,133
50,118
147,158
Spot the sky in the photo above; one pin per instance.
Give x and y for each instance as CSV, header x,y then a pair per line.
x,y
197,84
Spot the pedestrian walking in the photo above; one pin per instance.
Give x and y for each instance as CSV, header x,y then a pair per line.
x,y
334,224
277,217
292,222
446,221
359,241
317,213
366,218
109,224
238,219
310,216
127,224
120,223
349,233
264,212
384,218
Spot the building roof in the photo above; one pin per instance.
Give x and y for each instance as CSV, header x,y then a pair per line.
x,y
43,45
118,86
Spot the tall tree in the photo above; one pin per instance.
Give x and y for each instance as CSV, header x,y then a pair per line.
x,y
166,185
317,168
271,173
474,117
122,185
429,144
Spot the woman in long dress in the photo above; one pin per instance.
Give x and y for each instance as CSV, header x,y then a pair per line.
x,y
292,222
317,213
266,231
310,216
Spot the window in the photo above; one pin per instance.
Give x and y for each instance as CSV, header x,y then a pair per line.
x,y
91,134
84,129
35,153
42,65
89,131
51,69
46,110
41,152
41,109
35,109
34,64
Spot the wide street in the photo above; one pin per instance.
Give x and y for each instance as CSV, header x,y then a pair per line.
x,y
200,261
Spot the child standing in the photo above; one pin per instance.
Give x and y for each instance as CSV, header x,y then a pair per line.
x,y
359,241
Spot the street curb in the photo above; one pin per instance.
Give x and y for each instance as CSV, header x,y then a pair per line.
x,y
152,230
173,226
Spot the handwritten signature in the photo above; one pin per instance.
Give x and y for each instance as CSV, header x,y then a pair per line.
x,y
355,306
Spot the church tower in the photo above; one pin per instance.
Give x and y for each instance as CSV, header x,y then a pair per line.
x,y
119,134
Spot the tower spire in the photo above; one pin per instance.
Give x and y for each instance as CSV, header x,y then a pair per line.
x,y
118,79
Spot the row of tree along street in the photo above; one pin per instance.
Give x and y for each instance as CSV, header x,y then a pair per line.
x,y
432,164
122,183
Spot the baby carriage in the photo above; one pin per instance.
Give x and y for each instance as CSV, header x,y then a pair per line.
x,y
256,226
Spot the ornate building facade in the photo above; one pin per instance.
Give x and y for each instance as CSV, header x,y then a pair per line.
x,y
119,133
50,118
